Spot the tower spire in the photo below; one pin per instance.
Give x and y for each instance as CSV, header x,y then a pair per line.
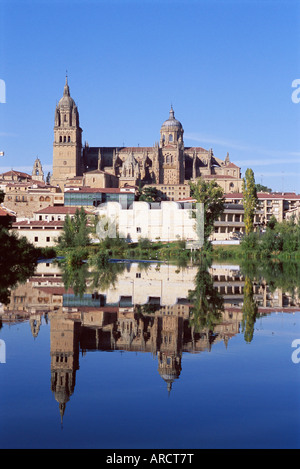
x,y
66,87
171,112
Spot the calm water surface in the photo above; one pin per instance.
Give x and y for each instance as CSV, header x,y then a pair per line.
x,y
135,364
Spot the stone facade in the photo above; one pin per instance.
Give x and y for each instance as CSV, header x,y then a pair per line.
x,y
167,162
39,233
26,198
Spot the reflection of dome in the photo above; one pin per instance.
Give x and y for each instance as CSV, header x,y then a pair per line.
x,y
172,122
169,368
169,379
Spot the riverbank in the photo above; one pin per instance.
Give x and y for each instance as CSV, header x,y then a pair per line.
x,y
166,252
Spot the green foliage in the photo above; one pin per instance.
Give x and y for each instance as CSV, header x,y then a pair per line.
x,y
207,303
75,231
261,188
278,239
272,222
18,259
212,196
149,194
249,310
249,200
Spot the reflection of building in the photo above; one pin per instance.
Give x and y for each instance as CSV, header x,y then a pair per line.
x,y
64,351
147,311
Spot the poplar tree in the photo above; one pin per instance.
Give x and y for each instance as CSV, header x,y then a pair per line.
x,y
249,200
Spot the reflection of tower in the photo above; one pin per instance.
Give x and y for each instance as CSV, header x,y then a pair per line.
x,y
170,332
64,351
35,324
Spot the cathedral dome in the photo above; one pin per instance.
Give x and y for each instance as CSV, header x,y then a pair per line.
x,y
66,101
172,122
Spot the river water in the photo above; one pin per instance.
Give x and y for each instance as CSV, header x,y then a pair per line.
x,y
151,356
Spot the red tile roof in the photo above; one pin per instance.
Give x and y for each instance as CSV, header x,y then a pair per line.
x,y
18,173
5,213
195,149
61,210
38,223
114,190
266,195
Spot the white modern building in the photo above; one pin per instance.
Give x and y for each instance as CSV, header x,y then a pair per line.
x,y
165,221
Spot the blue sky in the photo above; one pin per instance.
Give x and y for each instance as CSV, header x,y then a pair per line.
x,y
227,68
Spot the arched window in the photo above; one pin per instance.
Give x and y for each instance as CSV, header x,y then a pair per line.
x,y
60,138
42,199
65,139
69,138
170,138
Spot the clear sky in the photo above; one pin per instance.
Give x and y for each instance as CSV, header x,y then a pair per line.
x,y
226,66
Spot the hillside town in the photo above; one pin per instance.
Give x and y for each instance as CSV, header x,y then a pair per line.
x,y
108,180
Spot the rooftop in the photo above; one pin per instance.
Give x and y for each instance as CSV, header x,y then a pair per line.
x,y
266,195
62,210
37,223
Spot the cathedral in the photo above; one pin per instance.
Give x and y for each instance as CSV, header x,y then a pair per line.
x,y
167,163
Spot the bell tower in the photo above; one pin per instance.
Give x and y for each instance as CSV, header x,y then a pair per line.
x,y
171,151
67,145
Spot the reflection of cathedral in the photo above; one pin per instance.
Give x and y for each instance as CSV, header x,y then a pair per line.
x,y
168,162
146,311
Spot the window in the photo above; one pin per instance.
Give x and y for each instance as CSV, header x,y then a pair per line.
x,y
65,139
138,229
170,138
69,138
48,239
36,239
138,275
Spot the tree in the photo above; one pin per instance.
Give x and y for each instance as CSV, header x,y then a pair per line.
x,y
261,188
272,222
249,200
75,231
212,196
207,303
18,259
149,194
249,310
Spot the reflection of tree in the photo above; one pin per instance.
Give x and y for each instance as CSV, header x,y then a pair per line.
x,y
74,274
97,271
207,303
18,260
249,310
104,274
275,274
